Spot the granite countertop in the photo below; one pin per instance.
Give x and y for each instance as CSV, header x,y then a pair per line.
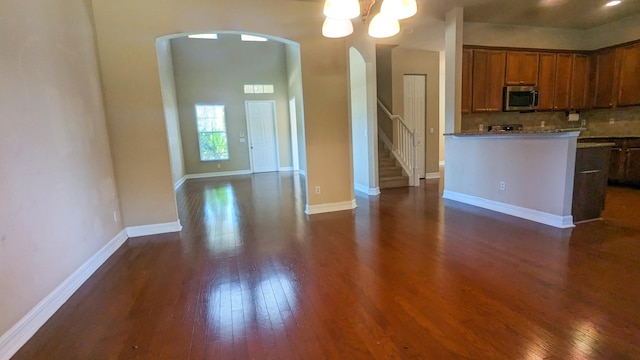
x,y
515,132
594,145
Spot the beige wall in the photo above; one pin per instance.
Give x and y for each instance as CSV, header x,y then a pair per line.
x,y
625,30
384,85
406,61
170,103
215,72
57,188
126,41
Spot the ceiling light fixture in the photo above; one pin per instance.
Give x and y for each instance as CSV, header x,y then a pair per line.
x,y
613,3
385,24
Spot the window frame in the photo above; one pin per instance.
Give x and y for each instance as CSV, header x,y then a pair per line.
x,y
199,132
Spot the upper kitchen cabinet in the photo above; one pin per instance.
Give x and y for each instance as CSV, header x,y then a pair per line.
x,y
522,68
604,78
467,74
562,86
547,81
580,82
488,80
629,93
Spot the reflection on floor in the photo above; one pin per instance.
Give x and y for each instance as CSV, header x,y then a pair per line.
x,y
405,275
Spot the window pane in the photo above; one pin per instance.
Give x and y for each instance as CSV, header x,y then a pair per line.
x,y
268,89
212,135
213,146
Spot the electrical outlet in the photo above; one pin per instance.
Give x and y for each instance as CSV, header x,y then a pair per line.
x,y
542,123
612,121
503,186
115,216
481,127
218,166
317,190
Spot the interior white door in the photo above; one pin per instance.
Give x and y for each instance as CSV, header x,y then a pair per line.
x,y
263,144
415,115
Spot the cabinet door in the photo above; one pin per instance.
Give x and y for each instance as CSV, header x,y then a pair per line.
x,y
617,164
488,80
467,73
495,85
632,166
564,66
522,68
547,80
605,66
580,82
629,93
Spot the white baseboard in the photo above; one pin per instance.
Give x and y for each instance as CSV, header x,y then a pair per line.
x,y
558,221
367,190
144,230
218,174
435,175
287,168
23,330
441,163
179,182
325,208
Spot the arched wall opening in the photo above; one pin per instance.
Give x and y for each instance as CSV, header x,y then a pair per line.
x,y
237,75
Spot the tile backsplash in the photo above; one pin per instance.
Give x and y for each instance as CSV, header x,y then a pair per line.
x,y
602,122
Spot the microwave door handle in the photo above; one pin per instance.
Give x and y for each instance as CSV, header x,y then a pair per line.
x,y
535,97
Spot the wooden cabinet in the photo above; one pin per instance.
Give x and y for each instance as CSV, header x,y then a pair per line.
x,y
590,182
467,74
632,165
488,80
547,81
624,160
604,78
562,88
629,93
580,82
522,68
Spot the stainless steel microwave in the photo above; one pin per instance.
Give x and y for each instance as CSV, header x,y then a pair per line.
x,y
520,98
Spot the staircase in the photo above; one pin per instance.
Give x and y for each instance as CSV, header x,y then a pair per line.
x,y
389,172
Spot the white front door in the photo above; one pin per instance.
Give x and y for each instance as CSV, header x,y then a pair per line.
x,y
415,114
263,144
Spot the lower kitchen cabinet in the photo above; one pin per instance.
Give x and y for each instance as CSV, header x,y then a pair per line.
x,y
590,181
624,161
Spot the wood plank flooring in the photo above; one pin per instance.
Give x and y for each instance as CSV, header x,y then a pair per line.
x,y
407,275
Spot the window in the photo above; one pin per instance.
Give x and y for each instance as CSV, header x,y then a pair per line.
x,y
212,132
258,89
245,37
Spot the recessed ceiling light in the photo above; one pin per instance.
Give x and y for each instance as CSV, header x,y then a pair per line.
x,y
204,36
614,3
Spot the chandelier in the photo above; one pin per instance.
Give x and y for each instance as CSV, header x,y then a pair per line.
x,y
384,24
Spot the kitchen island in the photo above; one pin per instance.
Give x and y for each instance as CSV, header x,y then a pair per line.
x,y
528,174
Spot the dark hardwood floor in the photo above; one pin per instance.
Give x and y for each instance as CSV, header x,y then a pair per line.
x,y
407,275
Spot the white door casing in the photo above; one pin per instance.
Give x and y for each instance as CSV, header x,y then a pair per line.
x,y
263,142
415,115
295,157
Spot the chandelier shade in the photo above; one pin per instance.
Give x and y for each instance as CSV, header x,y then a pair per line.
x,y
383,26
342,9
336,28
399,9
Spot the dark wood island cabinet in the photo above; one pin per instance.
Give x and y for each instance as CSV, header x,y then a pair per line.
x,y
590,180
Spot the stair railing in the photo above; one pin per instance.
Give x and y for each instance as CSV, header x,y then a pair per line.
x,y
404,145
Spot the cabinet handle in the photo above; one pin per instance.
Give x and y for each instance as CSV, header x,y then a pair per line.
x,y
590,172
